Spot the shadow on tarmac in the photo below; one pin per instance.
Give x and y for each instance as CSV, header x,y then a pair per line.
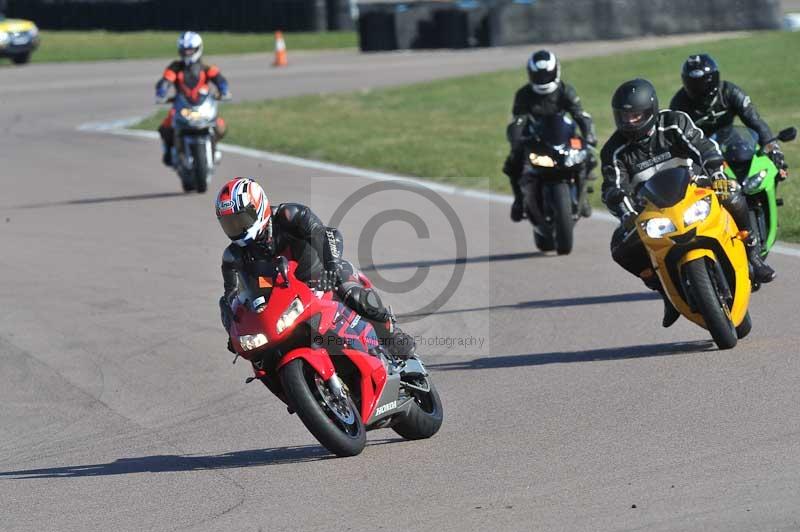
x,y
452,261
561,357
177,463
110,199
550,303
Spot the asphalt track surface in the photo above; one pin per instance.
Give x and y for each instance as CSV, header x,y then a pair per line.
x,y
567,406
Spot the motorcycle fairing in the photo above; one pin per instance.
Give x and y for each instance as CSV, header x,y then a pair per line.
x,y
713,239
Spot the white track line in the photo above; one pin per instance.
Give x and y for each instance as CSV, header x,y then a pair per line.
x,y
118,127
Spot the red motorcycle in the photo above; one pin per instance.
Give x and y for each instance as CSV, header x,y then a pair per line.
x,y
327,364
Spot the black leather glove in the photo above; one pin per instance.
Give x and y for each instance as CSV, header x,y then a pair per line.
x,y
328,281
775,154
629,220
723,188
226,314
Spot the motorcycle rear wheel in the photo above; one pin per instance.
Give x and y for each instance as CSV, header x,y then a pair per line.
x,y
300,382
424,418
710,304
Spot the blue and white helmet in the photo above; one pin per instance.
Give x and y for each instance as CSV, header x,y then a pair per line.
x,y
190,47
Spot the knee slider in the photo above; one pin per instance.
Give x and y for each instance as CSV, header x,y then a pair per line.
x,y
365,301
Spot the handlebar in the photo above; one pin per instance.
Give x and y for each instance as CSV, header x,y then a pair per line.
x,y
218,97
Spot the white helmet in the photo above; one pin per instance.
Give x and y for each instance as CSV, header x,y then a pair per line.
x,y
190,47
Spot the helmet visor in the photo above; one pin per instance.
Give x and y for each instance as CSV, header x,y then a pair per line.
x,y
237,224
699,85
543,77
634,119
188,52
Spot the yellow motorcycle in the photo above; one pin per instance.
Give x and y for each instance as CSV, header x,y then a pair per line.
x,y
698,254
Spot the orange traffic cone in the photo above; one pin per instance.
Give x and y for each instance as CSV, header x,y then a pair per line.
x,y
280,51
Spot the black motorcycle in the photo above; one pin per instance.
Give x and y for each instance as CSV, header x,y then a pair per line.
x,y
554,181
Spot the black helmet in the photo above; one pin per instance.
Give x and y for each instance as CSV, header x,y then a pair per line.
x,y
544,72
635,107
700,76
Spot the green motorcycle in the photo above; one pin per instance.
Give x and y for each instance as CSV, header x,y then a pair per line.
x,y
758,176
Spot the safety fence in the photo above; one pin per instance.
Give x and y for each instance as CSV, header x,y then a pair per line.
x,y
392,24
213,15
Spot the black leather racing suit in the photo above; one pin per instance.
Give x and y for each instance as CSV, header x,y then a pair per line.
x,y
528,104
675,141
300,235
730,102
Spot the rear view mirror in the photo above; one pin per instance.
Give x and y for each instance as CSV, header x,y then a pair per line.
x,y
282,268
787,134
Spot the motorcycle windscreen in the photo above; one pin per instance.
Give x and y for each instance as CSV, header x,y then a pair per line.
x,y
182,101
555,130
667,187
259,279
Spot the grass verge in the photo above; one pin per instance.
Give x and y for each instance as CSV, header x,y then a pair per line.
x,y
58,46
454,130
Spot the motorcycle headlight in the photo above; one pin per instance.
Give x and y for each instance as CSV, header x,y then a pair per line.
x,y
575,157
658,227
206,110
698,212
4,38
752,183
290,315
252,341
541,160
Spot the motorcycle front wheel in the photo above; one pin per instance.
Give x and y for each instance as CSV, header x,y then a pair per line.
x,y
561,203
335,422
200,167
710,303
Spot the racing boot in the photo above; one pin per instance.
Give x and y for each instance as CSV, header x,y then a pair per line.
x,y
216,151
512,169
761,271
166,157
398,344
401,345
585,208
517,209
671,314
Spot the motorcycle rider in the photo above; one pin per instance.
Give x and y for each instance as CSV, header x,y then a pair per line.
x,y
544,95
713,104
190,77
260,233
648,140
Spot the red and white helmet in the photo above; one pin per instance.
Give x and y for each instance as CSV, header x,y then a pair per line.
x,y
243,211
